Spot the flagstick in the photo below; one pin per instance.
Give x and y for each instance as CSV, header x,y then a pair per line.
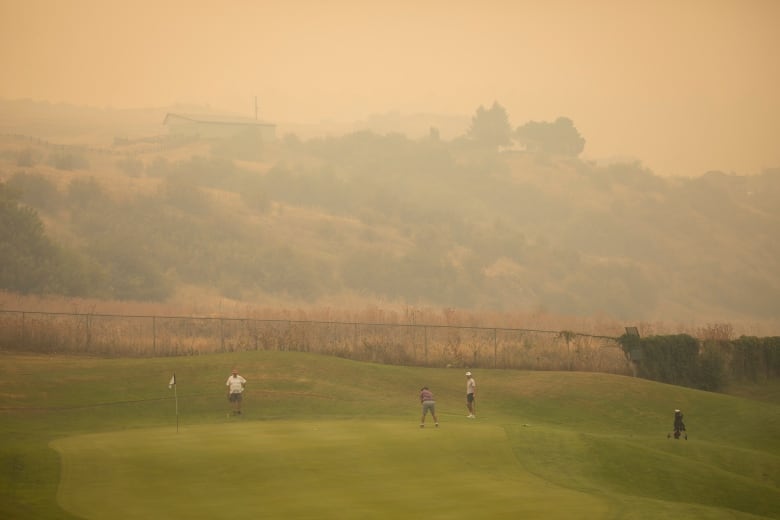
x,y
176,397
172,383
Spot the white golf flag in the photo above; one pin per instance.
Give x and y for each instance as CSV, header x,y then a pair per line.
x,y
172,381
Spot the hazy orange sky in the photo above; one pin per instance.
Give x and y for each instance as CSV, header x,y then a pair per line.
x,y
685,86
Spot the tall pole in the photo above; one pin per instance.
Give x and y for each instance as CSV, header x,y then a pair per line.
x,y
176,398
172,383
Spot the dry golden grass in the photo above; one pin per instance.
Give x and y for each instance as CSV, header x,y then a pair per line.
x,y
351,308
198,323
404,335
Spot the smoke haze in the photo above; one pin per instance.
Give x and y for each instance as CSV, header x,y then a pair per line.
x,y
685,87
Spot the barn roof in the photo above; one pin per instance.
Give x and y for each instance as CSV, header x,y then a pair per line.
x,y
216,119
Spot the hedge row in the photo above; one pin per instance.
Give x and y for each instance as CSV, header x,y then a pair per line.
x,y
708,365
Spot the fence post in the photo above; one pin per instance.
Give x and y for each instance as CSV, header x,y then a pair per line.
x,y
89,335
425,350
568,336
222,333
154,334
22,341
495,348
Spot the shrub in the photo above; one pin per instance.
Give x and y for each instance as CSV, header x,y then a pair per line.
x,y
27,157
130,165
68,160
36,190
712,372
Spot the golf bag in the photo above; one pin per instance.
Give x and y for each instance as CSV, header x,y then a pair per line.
x,y
679,427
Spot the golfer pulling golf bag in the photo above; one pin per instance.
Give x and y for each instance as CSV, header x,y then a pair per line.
x,y
679,426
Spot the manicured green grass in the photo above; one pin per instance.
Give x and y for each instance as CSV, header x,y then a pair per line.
x,y
325,437
350,469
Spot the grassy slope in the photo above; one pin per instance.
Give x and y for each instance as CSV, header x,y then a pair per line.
x,y
313,232
324,435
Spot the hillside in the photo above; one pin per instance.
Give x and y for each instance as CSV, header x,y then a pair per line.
x,y
384,217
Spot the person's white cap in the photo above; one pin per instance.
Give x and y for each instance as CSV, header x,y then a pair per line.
x,y
677,410
468,373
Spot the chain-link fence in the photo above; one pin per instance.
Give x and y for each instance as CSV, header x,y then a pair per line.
x,y
400,344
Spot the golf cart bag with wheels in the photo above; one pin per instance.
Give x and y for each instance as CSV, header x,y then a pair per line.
x,y
679,426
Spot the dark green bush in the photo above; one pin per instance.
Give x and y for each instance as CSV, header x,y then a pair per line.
x,y
670,359
712,372
754,359
682,360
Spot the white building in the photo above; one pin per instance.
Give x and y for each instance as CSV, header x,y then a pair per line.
x,y
218,127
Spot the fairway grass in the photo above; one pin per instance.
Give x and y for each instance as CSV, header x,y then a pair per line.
x,y
328,438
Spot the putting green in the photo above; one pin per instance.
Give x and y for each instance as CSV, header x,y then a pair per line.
x,y
309,469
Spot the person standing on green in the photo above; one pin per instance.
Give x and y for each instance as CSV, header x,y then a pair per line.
x,y
428,405
236,385
471,392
